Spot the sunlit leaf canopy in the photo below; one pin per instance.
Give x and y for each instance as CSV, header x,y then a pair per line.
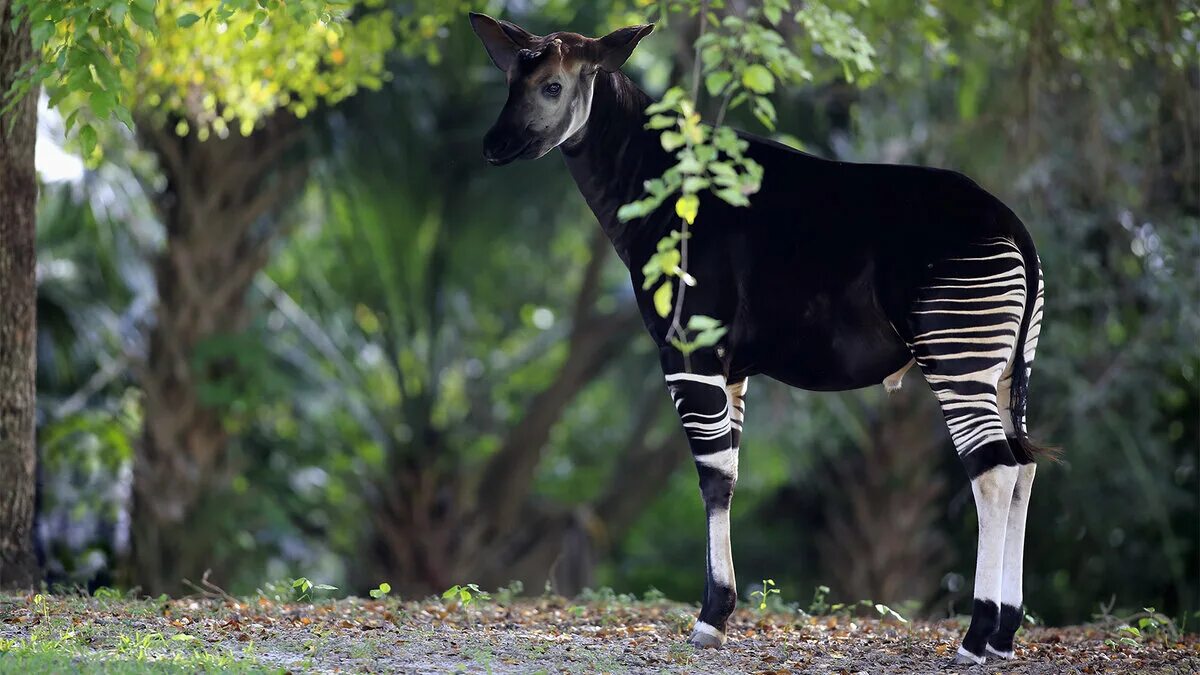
x,y
211,66
232,69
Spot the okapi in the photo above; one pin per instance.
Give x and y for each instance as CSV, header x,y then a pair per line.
x,y
838,276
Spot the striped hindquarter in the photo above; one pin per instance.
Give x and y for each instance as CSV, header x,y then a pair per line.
x,y
966,333
965,324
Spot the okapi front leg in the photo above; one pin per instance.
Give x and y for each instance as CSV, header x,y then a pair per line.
x,y
711,413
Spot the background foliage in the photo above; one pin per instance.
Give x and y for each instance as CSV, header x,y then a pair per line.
x,y
416,304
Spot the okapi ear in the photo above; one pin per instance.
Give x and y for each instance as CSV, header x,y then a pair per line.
x,y
616,47
502,39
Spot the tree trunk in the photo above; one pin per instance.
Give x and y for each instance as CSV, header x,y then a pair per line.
x,y
219,211
18,323
881,539
434,526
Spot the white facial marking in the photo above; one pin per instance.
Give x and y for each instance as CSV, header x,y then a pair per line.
x,y
564,115
581,106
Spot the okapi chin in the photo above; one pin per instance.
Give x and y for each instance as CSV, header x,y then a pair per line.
x,y
837,276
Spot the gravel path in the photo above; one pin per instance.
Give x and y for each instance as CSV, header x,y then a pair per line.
x,y
550,635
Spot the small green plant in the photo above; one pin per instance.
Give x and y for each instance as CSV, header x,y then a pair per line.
x,y
768,589
680,621
885,612
652,594
1127,641
39,605
107,594
466,594
303,588
1149,624
381,592
506,595
819,604
1031,619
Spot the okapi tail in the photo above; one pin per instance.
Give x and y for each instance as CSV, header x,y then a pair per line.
x,y
1027,338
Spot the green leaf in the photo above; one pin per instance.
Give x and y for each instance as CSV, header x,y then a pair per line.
x,y
661,122
187,20
144,19
672,140
102,103
87,137
117,11
716,81
758,79
122,114
669,260
687,207
709,338
637,209
773,14
662,299
701,322
685,348
41,32
733,196
764,110
721,169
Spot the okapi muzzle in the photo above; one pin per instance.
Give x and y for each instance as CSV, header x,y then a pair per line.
x,y
506,142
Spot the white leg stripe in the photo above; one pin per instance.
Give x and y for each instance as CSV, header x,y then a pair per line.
x,y
720,555
992,650
1014,538
714,380
993,495
969,655
702,627
725,461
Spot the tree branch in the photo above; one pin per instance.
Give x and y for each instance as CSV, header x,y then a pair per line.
x,y
592,343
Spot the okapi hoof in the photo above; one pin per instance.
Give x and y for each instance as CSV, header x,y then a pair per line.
x,y
966,658
705,636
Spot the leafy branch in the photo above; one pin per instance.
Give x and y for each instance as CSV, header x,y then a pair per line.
x,y
740,59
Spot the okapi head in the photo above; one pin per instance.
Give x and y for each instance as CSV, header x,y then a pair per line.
x,y
550,81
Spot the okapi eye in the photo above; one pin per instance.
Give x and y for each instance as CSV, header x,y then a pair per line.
x,y
552,89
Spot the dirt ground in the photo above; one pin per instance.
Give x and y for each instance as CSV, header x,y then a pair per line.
x,y
548,635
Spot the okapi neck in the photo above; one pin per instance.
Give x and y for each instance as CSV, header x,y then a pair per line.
x,y
614,157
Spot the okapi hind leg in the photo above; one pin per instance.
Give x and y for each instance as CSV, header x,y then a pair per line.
x,y
993,492
711,412
963,330
1000,643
